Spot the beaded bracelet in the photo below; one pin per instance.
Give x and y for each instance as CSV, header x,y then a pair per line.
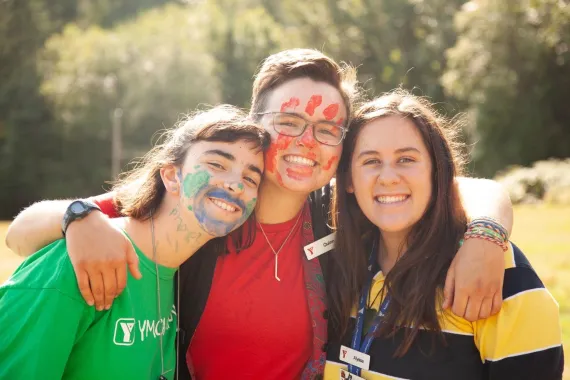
x,y
487,229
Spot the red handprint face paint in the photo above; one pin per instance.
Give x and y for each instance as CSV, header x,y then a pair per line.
x,y
301,163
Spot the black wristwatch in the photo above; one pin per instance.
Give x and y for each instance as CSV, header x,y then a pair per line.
x,y
75,211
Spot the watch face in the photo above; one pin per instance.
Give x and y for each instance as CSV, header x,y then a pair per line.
x,y
77,207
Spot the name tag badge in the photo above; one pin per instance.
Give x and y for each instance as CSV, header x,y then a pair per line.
x,y
320,246
345,375
350,356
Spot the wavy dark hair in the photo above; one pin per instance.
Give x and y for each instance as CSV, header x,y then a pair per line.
x,y
416,280
139,192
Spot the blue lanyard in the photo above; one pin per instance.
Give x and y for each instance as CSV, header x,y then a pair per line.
x,y
357,335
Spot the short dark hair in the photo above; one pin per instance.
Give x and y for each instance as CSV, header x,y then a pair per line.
x,y
302,63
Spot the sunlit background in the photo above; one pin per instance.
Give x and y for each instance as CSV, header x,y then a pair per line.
x,y
85,84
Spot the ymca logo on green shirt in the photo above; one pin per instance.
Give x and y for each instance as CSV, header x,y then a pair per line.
x,y
124,334
126,328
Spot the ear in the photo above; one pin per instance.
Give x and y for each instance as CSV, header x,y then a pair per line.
x,y
171,180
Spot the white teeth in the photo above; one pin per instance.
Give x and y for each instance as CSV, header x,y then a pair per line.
x,y
223,205
391,199
300,160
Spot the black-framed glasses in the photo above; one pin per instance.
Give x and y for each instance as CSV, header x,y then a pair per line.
x,y
290,124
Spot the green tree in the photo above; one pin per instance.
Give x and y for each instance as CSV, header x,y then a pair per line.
x,y
511,65
26,131
240,35
151,69
30,140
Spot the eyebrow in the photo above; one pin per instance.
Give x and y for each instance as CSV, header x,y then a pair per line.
x,y
219,152
231,157
254,168
400,150
304,118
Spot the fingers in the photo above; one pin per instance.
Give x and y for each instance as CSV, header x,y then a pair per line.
x,y
460,301
473,308
486,306
497,303
121,274
133,262
449,288
84,288
98,289
109,275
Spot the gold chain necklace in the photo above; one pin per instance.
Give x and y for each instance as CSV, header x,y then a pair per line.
x,y
276,253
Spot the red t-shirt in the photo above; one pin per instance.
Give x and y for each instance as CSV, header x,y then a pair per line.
x,y
105,203
253,326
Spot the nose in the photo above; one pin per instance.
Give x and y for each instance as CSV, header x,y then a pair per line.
x,y
388,176
307,139
234,186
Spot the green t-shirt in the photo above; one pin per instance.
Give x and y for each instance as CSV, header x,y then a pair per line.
x,y
47,331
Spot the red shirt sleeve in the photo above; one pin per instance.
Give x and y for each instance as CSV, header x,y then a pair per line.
x,y
107,204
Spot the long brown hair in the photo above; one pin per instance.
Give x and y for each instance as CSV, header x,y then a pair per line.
x,y
415,281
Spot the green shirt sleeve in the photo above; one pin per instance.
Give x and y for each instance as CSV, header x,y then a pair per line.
x,y
40,319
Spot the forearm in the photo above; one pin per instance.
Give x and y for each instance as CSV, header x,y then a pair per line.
x,y
484,197
36,227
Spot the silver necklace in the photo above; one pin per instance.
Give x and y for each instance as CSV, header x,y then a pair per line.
x,y
154,258
276,253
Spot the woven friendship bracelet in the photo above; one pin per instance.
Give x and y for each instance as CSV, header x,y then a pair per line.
x,y
487,229
490,223
503,246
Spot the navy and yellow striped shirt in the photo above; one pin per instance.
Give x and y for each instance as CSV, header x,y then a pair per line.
x,y
523,341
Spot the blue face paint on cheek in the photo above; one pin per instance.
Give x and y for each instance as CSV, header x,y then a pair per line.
x,y
209,222
197,191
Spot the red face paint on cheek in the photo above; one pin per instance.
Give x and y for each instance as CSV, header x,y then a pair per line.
x,y
340,121
281,144
280,179
312,104
330,162
292,103
331,111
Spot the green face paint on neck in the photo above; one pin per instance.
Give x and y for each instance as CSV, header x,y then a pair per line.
x,y
193,182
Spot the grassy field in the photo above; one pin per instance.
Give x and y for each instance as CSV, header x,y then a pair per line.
x,y
542,232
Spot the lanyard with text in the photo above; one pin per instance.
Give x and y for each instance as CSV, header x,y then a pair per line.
x,y
364,348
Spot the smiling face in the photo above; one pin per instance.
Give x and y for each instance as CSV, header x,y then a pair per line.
x,y
302,164
391,173
219,183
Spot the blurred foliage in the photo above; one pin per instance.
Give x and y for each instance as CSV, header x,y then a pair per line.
x,y
65,68
511,65
547,181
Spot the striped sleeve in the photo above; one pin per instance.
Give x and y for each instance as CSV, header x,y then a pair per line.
x,y
524,340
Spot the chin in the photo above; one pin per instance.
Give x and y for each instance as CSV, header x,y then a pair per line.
x,y
301,184
393,226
